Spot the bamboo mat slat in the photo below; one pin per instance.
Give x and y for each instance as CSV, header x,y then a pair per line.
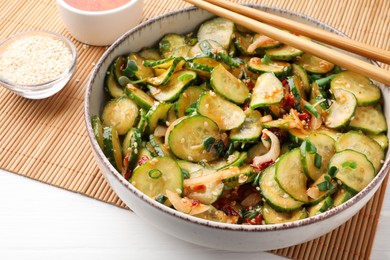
x,y
46,139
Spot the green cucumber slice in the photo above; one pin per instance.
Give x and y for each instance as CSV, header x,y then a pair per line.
x,y
316,152
381,139
320,207
158,112
112,146
205,49
250,130
218,29
97,128
139,96
323,187
364,90
369,119
169,43
130,148
272,216
142,72
171,91
284,52
242,41
262,42
150,54
279,68
226,114
164,77
228,86
342,109
111,84
363,144
187,98
158,175
121,112
341,196
245,174
268,90
354,170
290,175
300,72
313,64
186,139
273,194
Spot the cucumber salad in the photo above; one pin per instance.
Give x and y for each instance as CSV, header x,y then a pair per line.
x,y
232,126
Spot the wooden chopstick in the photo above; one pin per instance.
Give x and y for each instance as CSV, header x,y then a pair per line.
x,y
338,41
313,48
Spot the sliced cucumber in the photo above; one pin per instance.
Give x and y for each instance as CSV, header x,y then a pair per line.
x,y
273,194
187,139
290,175
165,76
272,216
263,42
218,29
121,112
169,43
158,112
342,110
341,196
97,128
186,99
354,170
363,144
300,72
142,122
250,130
296,135
245,174
316,152
284,52
150,54
364,90
226,114
381,139
268,90
315,65
112,147
323,187
142,72
228,86
111,84
205,48
130,148
171,91
139,96
158,175
320,207
242,41
159,147
279,68
369,119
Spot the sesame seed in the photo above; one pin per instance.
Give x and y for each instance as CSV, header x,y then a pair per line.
x,y
34,60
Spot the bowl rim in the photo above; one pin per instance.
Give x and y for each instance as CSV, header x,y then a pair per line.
x,y
374,184
44,85
72,9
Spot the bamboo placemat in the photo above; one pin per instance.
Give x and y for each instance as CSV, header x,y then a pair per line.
x,y
46,139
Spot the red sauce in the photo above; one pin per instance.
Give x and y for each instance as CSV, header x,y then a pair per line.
x,y
96,5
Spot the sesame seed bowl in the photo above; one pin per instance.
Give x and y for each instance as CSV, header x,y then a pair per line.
x,y
36,64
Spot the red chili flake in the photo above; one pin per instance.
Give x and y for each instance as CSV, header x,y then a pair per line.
x,y
305,117
245,106
254,221
195,203
296,34
230,211
197,188
263,165
284,82
249,83
128,174
288,101
143,160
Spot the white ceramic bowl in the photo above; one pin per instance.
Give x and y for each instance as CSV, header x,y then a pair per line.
x,y
100,28
42,58
188,228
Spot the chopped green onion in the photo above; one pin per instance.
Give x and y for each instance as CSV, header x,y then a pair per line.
x,y
184,77
312,110
208,143
266,59
325,185
130,69
185,173
161,199
332,171
352,165
155,174
309,147
317,161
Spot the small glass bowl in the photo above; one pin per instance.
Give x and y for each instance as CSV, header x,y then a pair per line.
x,y
44,89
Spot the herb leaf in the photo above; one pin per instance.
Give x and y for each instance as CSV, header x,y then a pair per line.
x,y
130,69
208,143
317,161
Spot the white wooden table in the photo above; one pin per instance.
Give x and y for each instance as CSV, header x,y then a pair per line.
x,y
39,221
